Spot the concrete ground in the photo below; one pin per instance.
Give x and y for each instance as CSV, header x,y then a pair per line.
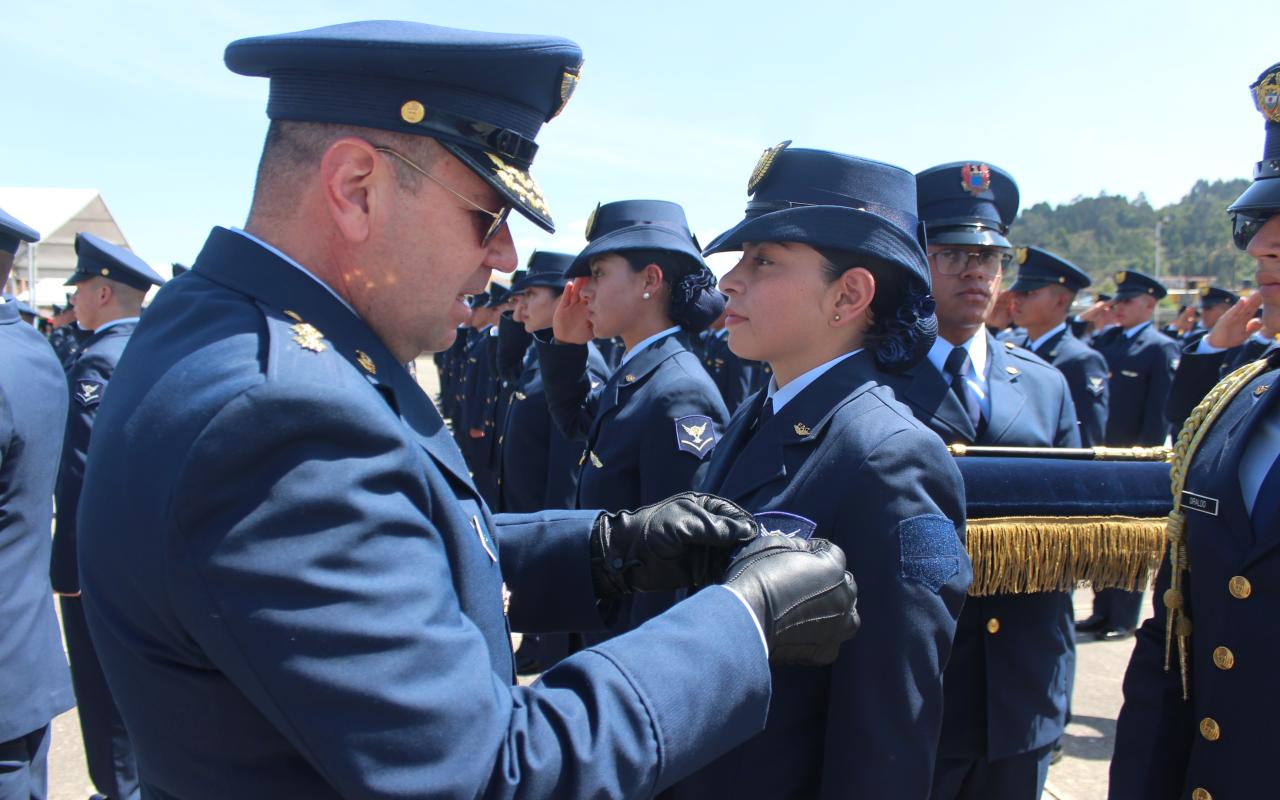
x,y
1081,775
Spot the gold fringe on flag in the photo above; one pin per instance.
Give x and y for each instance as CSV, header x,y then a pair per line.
x,y
1045,554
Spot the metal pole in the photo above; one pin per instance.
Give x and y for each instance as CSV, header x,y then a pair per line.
x,y
1159,222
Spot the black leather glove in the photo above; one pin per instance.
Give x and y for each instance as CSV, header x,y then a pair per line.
x,y
806,602
683,541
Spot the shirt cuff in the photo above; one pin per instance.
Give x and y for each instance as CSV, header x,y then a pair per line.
x,y
1204,348
763,642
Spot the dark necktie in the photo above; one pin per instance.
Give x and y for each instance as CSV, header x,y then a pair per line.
x,y
766,414
957,365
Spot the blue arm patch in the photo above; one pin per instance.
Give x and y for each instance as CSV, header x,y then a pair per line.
x,y
930,550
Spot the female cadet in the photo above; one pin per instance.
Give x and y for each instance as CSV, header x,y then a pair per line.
x,y
833,287
648,431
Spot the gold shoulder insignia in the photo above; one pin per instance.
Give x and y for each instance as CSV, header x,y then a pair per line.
x,y
764,164
308,337
366,363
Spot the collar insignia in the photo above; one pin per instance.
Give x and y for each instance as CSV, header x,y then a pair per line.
x,y
1267,96
695,434
1261,390
293,315
801,429
764,164
975,178
308,338
366,363
629,378
595,460
782,523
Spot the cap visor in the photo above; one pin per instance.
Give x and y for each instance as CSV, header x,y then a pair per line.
x,y
514,184
1263,195
980,237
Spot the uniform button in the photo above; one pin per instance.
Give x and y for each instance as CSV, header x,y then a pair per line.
x,y
993,625
1209,729
1223,658
616,563
1201,794
1240,587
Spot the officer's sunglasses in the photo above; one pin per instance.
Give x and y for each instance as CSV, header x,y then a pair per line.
x,y
499,217
1245,226
955,262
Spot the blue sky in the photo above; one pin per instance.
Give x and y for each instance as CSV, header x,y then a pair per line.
x,y
677,100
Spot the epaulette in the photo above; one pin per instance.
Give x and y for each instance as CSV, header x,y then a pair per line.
x,y
1198,424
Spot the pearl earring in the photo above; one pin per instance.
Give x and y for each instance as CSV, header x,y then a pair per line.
x,y
837,317
646,295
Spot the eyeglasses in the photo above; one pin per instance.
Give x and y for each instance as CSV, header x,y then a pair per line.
x,y
499,217
1245,226
955,262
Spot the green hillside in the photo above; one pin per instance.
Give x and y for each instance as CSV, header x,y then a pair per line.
x,y
1108,233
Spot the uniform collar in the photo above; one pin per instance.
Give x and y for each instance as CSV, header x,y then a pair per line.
x,y
106,325
1130,333
633,352
781,397
286,259
1036,345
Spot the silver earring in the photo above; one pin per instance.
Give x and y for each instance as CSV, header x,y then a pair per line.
x,y
837,317
646,295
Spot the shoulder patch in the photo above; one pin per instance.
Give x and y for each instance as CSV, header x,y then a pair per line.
x,y
695,434
1096,384
929,550
89,393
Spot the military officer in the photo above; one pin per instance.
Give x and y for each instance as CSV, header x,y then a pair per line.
x,y
1214,302
293,584
33,409
111,284
1007,681
480,412
1200,705
1141,361
1043,292
734,376
832,286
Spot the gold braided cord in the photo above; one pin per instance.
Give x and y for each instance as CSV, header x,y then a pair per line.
x,y
1177,622
1016,555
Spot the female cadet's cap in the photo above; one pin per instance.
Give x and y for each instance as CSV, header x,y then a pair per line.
x,y
1264,193
1131,283
13,233
637,225
832,201
1038,268
967,203
498,294
98,258
482,96
545,268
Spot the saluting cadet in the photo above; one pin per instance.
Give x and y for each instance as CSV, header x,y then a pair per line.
x,y
733,375
1141,361
293,584
833,286
648,431
1042,295
111,284
33,412
1007,683
1200,704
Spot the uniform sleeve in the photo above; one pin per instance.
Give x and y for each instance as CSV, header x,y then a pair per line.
x,y
87,381
1196,375
571,399
1164,360
334,612
1090,392
1155,728
513,341
1068,433
902,533
665,469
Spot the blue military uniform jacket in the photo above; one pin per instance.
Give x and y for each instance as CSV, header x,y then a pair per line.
x,y
298,592
1007,682
479,412
733,376
36,686
847,456
1198,372
88,379
1163,745
539,468
1086,372
1141,370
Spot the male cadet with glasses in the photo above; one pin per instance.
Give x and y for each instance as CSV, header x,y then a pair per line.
x,y
36,686
1042,295
294,587
1200,700
1006,686
1141,361
111,284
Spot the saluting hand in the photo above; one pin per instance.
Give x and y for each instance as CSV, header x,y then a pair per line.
x,y
1237,324
570,324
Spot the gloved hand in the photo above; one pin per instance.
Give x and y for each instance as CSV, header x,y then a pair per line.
x,y
683,541
805,601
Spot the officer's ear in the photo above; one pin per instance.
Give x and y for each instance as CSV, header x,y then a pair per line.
x,y
849,296
652,275
356,184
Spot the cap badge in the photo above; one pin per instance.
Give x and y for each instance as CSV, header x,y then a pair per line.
x,y
975,178
413,112
1020,254
1204,291
591,221
801,429
366,363
1267,96
521,184
1120,276
568,85
308,338
764,164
